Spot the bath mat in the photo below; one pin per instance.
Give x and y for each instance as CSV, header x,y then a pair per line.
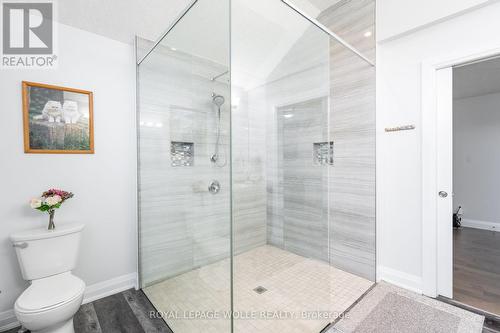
x,y
389,309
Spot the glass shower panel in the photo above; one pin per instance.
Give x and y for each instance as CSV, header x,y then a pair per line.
x,y
257,167
184,171
282,154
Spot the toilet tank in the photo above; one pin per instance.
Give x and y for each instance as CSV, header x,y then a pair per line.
x,y
43,252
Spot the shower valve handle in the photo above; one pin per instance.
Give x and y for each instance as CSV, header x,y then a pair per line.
x,y
214,187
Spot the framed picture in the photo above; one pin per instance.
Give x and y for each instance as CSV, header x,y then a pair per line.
x,y
57,120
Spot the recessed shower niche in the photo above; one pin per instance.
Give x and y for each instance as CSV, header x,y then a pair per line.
x,y
182,153
323,153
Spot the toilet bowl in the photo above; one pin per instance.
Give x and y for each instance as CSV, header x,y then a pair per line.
x,y
49,304
46,258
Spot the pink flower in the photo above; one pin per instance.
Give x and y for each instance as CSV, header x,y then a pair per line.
x,y
63,194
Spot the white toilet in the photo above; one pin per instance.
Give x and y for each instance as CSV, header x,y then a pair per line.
x,y
46,258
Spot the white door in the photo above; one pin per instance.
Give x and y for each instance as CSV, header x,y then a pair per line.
x,y
444,85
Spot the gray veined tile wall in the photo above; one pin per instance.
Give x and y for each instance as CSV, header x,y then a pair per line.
x,y
352,126
296,97
304,184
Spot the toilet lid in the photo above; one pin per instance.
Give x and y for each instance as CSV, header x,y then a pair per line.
x,y
50,292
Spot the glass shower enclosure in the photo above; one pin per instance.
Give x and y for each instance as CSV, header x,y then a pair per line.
x,y
256,169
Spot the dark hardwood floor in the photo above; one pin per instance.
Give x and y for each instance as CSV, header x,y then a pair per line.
x,y
126,312
476,268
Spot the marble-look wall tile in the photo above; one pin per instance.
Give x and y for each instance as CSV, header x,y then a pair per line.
x,y
304,185
352,127
297,206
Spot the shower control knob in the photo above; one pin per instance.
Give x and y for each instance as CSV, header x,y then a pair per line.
x,y
214,187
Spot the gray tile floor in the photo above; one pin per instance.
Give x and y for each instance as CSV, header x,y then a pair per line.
x,y
126,312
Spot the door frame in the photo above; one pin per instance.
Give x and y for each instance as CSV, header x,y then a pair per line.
x,y
429,142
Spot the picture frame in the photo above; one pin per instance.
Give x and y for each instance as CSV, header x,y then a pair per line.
x,y
57,120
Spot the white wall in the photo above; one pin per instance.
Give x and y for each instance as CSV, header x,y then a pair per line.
x,y
396,17
399,169
103,183
476,159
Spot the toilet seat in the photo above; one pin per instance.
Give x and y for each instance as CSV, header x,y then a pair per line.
x,y
49,293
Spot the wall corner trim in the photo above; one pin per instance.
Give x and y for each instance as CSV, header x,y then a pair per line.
x,y
92,293
400,279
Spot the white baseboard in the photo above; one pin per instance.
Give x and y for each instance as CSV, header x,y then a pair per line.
x,y
8,320
93,292
477,224
109,287
400,279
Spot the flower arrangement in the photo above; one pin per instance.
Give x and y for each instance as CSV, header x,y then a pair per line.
x,y
49,202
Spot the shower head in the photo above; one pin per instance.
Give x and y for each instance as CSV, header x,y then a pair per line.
x,y
218,100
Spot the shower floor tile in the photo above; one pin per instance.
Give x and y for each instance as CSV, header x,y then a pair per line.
x,y
301,294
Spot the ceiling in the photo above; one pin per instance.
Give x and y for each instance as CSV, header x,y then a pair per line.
x,y
477,79
263,31
120,19
123,19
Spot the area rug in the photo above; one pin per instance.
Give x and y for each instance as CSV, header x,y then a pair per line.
x,y
389,309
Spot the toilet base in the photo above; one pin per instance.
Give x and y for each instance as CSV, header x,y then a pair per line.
x,y
65,327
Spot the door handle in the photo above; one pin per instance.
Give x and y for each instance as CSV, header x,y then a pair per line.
x,y
443,194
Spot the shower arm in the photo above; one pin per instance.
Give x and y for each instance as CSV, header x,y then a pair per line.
x,y
328,31
218,76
